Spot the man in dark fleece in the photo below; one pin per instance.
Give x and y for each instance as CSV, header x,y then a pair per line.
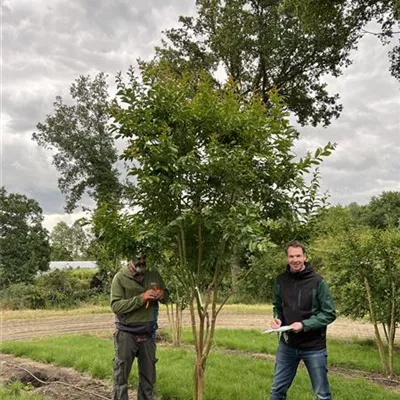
x,y
301,300
135,293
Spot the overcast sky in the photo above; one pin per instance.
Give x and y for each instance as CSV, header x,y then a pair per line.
x,y
46,44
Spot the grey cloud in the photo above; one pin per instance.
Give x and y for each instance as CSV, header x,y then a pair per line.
x,y
27,169
25,109
66,39
366,161
356,174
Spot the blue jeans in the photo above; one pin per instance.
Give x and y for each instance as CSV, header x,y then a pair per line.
x,y
287,360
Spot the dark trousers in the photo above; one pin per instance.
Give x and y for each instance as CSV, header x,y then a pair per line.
x,y
128,346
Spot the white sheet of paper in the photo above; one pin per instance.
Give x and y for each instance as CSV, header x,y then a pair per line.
x,y
280,329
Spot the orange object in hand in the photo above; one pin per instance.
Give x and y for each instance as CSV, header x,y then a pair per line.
x,y
148,295
154,289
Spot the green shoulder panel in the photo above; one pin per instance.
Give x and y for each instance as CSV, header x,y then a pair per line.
x,y
324,311
277,300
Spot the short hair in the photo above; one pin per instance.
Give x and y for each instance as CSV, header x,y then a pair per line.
x,y
296,244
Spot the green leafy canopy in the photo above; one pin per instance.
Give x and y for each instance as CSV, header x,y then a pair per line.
x,y
212,165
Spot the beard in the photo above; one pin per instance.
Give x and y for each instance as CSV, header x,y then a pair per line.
x,y
140,268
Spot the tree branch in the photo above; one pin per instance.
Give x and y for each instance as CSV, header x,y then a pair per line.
x,y
381,33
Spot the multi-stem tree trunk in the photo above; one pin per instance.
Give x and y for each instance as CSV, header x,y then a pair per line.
x,y
203,328
174,314
384,363
203,315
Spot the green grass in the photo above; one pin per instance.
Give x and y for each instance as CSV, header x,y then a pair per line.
x,y
248,308
359,354
17,391
227,376
84,274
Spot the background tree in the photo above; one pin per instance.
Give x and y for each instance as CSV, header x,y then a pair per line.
x,y
350,18
383,211
24,243
262,46
85,151
69,243
212,168
85,154
363,265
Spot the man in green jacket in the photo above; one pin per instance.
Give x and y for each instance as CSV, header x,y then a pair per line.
x,y
135,294
303,304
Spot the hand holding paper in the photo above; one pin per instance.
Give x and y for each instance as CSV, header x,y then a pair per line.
x,y
280,329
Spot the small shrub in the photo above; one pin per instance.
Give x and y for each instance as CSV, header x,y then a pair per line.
x,y
58,289
21,295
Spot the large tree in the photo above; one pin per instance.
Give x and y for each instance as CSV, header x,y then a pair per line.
x,y
24,243
261,47
213,170
289,45
351,17
85,151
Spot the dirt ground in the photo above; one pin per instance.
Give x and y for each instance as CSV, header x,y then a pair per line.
x,y
54,382
76,386
103,323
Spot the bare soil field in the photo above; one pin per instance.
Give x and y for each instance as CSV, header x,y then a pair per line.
x,y
15,329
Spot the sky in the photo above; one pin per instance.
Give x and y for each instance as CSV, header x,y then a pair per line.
x,y
47,44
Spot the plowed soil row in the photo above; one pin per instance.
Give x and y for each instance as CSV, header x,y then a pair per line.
x,y
103,323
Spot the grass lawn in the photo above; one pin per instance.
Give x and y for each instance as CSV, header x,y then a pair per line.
x,y
362,355
227,376
263,309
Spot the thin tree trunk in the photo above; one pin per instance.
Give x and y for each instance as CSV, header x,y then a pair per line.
x,y
235,271
392,330
173,325
170,321
178,324
203,339
199,380
377,333
179,327
386,332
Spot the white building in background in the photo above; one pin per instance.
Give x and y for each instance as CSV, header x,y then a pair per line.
x,y
72,265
